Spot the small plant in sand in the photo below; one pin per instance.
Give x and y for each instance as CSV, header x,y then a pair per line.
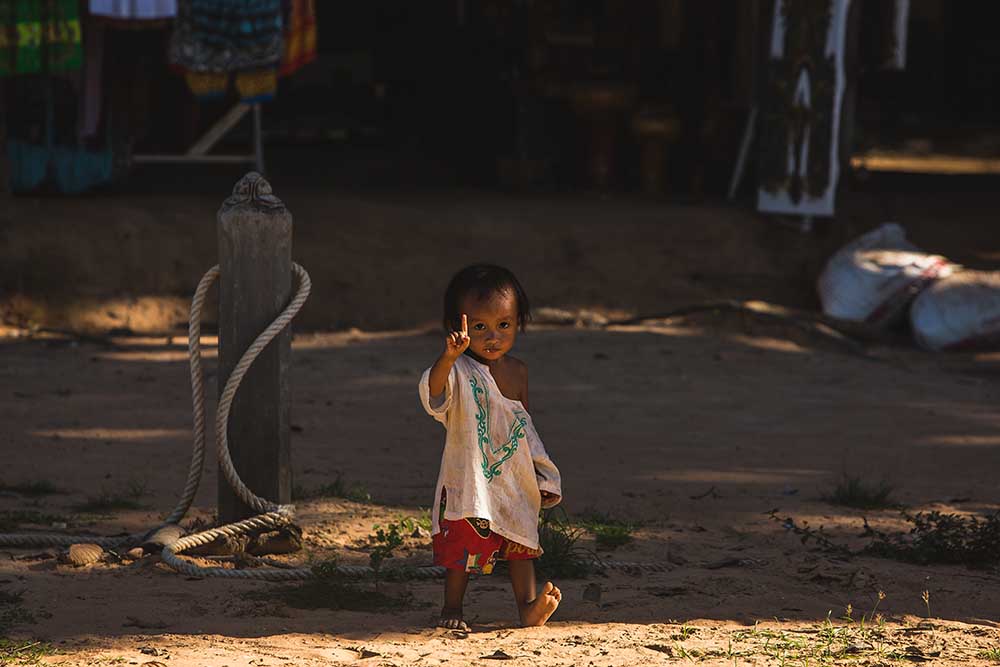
x,y
992,654
830,643
41,487
384,543
935,538
326,569
561,555
609,533
23,651
338,488
685,632
331,589
941,538
11,611
411,525
13,519
853,491
110,500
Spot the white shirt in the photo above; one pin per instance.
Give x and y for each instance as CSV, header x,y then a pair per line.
x,y
494,464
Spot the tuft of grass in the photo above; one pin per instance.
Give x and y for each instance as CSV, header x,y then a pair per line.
x,y
859,641
23,651
40,487
12,613
11,520
331,594
329,590
111,500
562,556
609,533
384,542
338,488
940,538
854,491
935,538
992,654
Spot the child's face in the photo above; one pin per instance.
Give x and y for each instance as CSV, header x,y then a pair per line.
x,y
492,323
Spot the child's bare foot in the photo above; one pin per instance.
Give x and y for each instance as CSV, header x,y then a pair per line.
x,y
452,620
538,612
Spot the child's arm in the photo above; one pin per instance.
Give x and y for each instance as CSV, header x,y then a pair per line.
x,y
455,344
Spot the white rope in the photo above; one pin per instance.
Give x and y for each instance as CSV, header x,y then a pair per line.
x,y
272,516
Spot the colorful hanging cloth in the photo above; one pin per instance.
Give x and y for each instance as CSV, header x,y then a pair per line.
x,y
134,10
39,36
300,35
226,35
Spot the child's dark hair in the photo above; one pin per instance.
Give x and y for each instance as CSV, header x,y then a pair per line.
x,y
483,280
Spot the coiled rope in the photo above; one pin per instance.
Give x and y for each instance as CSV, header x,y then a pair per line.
x,y
272,515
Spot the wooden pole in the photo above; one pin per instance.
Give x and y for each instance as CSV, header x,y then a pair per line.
x,y
255,261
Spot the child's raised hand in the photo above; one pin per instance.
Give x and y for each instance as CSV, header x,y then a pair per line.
x,y
457,342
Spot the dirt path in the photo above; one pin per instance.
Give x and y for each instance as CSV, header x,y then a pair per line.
x,y
692,430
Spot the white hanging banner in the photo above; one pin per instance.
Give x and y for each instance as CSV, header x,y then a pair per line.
x,y
134,9
900,20
800,123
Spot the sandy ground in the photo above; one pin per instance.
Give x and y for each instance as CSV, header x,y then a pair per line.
x,y
693,429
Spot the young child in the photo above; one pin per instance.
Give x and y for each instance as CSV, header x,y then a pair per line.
x,y
495,474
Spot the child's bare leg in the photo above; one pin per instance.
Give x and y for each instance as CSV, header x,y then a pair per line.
x,y
455,582
533,609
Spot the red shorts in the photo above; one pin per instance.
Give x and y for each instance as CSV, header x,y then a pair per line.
x,y
469,545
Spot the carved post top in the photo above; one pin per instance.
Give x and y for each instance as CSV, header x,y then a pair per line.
x,y
254,190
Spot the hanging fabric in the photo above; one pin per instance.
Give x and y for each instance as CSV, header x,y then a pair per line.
x,y
300,35
226,35
214,39
134,10
257,85
39,36
42,147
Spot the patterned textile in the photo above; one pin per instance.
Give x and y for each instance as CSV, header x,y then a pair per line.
x,y
207,85
39,36
140,10
257,85
226,35
300,35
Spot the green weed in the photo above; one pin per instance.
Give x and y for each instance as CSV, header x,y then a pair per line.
x,y
11,611
934,538
562,556
941,538
609,533
23,651
855,492
992,654
332,593
12,520
111,500
338,488
40,487
385,541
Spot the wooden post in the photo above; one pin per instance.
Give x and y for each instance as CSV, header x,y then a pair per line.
x,y
255,261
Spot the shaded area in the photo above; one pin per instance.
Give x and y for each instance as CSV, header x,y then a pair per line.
x,y
692,430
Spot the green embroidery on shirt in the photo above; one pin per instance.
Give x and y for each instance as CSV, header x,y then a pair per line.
x,y
486,447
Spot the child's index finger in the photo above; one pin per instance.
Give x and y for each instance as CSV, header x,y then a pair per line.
x,y
465,324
